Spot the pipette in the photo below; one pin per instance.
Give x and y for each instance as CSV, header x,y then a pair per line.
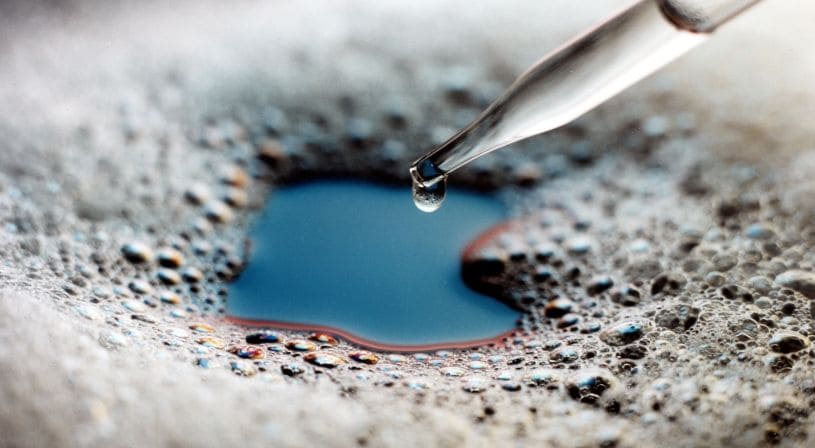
x,y
574,79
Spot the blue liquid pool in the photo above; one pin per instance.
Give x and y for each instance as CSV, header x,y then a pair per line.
x,y
359,258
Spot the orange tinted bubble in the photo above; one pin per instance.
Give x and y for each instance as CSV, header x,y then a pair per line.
x,y
323,338
248,352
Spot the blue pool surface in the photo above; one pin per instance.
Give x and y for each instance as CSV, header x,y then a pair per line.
x,y
360,258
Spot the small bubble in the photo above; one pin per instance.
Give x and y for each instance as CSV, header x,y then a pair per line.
x,y
137,252
192,275
565,355
111,341
568,320
168,277
203,363
169,298
291,369
588,385
301,345
452,371
599,284
169,258
140,287
323,338
143,318
475,385
211,342
248,352
263,337
788,342
218,212
133,305
801,281
236,197
178,333
579,245
235,176
364,357
545,377
511,386
88,312
623,333
202,328
324,360
478,365
197,194
559,307
241,368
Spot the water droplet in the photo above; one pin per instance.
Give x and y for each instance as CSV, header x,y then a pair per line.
x,y
429,199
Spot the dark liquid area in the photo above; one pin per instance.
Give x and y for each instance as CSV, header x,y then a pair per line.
x,y
359,258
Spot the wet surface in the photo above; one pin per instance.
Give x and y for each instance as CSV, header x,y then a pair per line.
x,y
359,258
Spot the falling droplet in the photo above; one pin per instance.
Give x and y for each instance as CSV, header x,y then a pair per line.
x,y
429,186
429,199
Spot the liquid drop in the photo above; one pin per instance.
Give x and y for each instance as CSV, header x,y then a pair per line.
x,y
429,199
429,186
